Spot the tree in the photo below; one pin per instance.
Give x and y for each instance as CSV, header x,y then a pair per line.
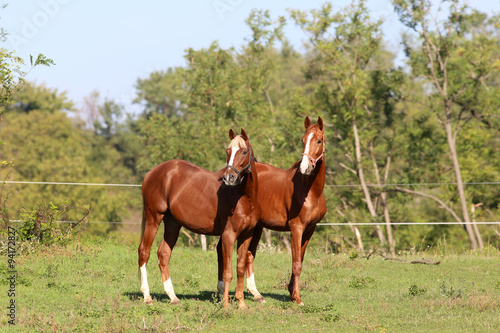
x,y
12,75
359,92
456,60
46,146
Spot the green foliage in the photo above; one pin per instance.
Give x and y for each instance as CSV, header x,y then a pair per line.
x,y
12,74
415,290
40,225
379,119
358,282
46,146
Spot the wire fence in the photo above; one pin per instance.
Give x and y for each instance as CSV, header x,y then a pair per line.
x,y
319,224
327,185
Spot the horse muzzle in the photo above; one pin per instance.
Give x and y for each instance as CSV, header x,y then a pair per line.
x,y
230,178
306,165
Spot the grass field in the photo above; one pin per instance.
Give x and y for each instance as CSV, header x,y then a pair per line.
x,y
93,286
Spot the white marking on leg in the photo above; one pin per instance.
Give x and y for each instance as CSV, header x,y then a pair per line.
x,y
169,289
144,284
220,287
304,164
251,287
233,154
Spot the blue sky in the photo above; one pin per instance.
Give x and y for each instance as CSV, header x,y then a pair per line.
x,y
107,45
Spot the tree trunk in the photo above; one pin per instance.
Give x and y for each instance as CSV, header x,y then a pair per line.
x,y
267,237
361,177
286,242
476,229
383,198
203,240
460,185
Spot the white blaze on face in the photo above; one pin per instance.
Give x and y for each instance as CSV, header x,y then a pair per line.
x,y
233,154
304,164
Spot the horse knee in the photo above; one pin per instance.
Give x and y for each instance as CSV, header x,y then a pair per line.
x,y
227,276
296,268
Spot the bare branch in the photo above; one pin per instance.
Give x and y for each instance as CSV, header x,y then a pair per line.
x,y
402,189
347,168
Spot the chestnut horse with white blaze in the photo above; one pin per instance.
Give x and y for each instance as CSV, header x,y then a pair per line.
x,y
291,200
223,203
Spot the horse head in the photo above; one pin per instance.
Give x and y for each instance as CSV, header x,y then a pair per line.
x,y
239,156
314,146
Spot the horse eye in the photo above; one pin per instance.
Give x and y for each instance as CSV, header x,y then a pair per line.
x,y
244,152
318,142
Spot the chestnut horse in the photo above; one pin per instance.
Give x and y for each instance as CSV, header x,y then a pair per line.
x,y
291,200
213,203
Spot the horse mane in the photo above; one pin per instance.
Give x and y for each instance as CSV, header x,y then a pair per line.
x,y
237,142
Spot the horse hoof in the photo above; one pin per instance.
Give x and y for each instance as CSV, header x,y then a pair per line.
x,y
176,302
301,303
148,301
259,299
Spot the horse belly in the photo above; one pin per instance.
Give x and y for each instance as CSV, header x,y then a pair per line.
x,y
195,213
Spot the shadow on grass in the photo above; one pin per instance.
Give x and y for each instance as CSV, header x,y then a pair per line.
x,y
205,295
163,298
276,297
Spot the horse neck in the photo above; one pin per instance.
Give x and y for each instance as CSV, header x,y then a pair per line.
x,y
251,183
316,180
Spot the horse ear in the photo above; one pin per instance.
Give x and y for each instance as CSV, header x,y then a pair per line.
x,y
307,122
320,123
244,134
231,134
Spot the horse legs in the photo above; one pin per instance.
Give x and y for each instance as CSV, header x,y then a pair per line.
x,y
220,266
241,265
227,239
150,222
164,253
252,251
299,241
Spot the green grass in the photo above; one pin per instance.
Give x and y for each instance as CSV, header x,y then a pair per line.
x,y
94,286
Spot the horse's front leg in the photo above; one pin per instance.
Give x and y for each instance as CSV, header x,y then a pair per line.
x,y
293,286
228,238
243,244
220,267
299,245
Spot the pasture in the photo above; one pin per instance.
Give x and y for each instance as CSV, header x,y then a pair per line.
x,y
93,286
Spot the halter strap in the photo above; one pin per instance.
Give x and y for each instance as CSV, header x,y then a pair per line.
x,y
248,166
321,156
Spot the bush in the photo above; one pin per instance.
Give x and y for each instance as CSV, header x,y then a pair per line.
x,y
40,225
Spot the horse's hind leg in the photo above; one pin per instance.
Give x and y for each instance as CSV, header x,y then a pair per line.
x,y
165,252
252,251
150,222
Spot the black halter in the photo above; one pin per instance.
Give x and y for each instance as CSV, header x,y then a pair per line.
x,y
246,167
